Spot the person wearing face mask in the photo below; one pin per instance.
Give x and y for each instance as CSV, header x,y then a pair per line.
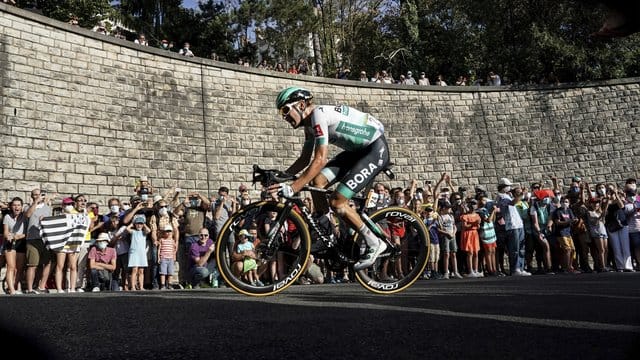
x,y
161,219
194,209
114,208
562,219
102,263
540,214
397,231
633,218
616,222
514,229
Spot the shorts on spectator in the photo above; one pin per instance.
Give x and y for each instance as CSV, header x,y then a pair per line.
x,y
166,267
448,245
434,253
566,243
37,254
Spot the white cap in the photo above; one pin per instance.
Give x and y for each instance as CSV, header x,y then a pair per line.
x,y
103,237
167,228
157,198
143,178
408,72
505,181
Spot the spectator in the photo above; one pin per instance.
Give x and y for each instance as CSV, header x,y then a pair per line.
x,y
401,80
514,227
363,76
386,78
164,44
303,66
540,214
118,34
101,28
522,206
114,209
186,51
493,79
617,225
246,249
38,256
440,81
293,69
470,239
343,73
598,232
447,235
102,263
201,265
214,56
72,21
431,272
95,222
263,64
487,234
461,81
563,218
409,80
138,231
14,232
194,208
68,254
168,247
143,188
633,218
423,80
222,209
120,241
141,40
158,222
279,67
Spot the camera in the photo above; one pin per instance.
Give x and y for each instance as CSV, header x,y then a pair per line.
x,y
144,191
462,189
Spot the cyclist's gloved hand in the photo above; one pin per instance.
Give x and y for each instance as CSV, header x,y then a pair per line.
x,y
286,191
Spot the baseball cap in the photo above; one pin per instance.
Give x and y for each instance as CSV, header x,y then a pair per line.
x,y
139,219
505,181
67,201
244,232
576,179
135,198
167,228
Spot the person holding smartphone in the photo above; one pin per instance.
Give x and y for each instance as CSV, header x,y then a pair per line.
x,y
37,256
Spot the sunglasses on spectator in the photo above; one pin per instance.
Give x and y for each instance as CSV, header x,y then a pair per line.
x,y
204,235
125,203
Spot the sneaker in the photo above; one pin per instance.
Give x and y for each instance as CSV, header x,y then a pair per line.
x,y
369,257
42,291
479,274
519,272
457,275
32,292
446,276
95,289
259,283
79,290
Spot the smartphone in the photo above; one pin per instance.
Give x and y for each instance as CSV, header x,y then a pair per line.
x,y
178,189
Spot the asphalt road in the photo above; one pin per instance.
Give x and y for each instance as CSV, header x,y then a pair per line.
x,y
587,316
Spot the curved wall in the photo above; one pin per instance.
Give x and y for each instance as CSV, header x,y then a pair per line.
x,y
85,113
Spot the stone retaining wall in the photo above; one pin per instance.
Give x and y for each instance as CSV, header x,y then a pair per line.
x,y
86,113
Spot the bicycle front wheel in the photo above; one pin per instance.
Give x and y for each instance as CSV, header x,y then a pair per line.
x,y
400,266
281,249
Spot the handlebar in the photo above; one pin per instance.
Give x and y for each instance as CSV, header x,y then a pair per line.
x,y
268,177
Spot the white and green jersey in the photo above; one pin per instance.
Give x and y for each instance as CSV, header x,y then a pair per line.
x,y
344,127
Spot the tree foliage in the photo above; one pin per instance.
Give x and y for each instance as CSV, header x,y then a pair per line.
x,y
523,41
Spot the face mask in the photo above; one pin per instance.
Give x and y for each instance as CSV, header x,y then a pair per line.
x,y
246,202
163,211
126,207
601,191
400,201
507,188
565,205
546,201
458,202
575,189
632,187
115,209
68,208
102,245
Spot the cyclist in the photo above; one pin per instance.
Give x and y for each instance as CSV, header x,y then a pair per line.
x,y
365,154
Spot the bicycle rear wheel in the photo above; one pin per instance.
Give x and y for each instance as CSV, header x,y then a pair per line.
x,y
396,269
281,255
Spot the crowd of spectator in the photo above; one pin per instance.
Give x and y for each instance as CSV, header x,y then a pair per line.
x,y
152,241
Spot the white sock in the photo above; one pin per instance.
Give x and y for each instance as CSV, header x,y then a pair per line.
x,y
369,237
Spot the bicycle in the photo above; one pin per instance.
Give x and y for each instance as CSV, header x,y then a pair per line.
x,y
283,250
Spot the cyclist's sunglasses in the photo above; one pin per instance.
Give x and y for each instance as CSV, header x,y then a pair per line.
x,y
284,111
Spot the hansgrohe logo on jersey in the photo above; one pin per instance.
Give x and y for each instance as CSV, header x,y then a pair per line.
x,y
361,131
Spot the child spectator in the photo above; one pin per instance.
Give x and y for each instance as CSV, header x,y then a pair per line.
x,y
447,235
138,231
249,266
563,218
487,234
470,239
167,249
434,244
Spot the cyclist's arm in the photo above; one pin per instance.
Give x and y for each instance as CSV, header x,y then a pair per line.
x,y
305,156
319,161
